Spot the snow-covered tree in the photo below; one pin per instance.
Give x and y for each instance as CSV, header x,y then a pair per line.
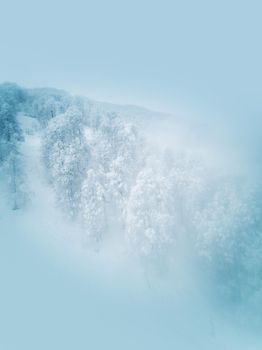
x,y
66,156
11,96
149,216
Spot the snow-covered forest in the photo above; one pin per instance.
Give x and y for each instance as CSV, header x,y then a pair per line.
x,y
112,181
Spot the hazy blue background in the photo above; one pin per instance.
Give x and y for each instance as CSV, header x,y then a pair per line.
x,y
192,57
161,54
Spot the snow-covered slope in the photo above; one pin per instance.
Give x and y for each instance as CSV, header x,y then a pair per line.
x,y
99,169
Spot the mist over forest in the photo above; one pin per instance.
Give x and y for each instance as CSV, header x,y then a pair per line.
x,y
136,192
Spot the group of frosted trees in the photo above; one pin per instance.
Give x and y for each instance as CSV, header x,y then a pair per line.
x,y
45,104
108,178
91,162
105,175
11,99
229,236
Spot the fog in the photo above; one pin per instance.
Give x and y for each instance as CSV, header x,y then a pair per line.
x,y
184,287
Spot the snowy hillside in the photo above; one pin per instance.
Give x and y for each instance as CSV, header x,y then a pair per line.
x,y
96,165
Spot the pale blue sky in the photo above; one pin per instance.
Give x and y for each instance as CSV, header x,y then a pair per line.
x,y
164,54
